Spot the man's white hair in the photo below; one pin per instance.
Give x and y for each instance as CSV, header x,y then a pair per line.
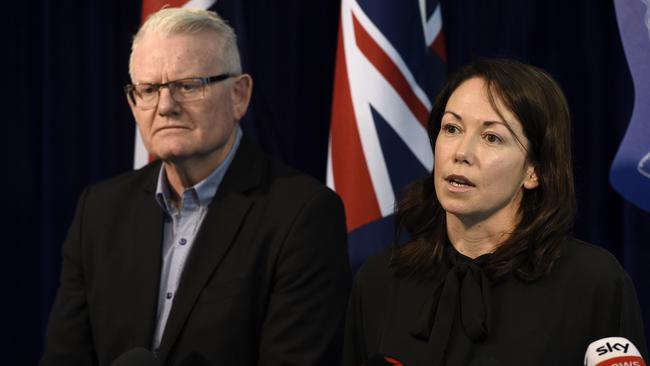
x,y
176,21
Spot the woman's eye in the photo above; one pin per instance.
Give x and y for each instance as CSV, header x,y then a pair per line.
x,y
450,129
492,138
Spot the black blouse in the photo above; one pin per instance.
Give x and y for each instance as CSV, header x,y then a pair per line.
x,y
463,317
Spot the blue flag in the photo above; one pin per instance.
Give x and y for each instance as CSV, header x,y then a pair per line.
x,y
630,171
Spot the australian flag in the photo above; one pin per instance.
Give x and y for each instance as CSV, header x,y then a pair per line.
x,y
390,63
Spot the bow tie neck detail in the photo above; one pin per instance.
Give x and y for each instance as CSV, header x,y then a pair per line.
x,y
465,289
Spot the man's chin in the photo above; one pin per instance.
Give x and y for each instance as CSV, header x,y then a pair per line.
x,y
173,155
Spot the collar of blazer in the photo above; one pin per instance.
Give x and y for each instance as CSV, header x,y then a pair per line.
x,y
244,173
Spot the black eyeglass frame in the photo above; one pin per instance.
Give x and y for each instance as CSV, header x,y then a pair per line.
x,y
130,89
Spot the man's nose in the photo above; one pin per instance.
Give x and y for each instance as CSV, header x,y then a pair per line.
x,y
166,103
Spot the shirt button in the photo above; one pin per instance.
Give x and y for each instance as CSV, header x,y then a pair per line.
x,y
169,295
183,241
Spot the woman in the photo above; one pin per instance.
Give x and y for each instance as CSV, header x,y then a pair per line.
x,y
491,274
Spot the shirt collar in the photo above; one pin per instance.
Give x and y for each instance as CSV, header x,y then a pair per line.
x,y
205,189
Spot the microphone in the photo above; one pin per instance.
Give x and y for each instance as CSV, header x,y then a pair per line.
x,y
383,360
613,351
136,357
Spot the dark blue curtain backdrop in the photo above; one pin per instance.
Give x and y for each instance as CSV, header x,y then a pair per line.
x,y
66,122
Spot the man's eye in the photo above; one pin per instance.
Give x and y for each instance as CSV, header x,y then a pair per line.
x,y
147,89
188,87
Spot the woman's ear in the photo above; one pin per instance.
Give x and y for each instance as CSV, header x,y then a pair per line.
x,y
531,181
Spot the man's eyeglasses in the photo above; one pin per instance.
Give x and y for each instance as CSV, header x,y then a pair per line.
x,y
146,95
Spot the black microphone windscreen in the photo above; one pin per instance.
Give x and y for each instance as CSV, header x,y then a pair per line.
x,y
136,357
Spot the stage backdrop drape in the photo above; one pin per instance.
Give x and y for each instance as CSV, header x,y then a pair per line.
x,y
67,124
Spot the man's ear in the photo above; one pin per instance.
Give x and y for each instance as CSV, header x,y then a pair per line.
x,y
242,88
531,180
131,105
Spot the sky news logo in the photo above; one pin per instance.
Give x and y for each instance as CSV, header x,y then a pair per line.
x,y
613,351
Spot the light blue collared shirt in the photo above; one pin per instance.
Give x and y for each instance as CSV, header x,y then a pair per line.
x,y
180,229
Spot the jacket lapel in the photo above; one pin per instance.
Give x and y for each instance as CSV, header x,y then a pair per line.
x,y
147,220
218,231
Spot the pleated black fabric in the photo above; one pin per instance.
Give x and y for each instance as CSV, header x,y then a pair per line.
x,y
465,290
462,316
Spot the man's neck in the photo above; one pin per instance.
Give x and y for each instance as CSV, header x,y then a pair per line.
x,y
185,173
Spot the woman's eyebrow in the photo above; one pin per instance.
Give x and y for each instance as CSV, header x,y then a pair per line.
x,y
456,115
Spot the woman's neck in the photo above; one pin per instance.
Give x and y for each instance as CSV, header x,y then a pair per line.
x,y
475,238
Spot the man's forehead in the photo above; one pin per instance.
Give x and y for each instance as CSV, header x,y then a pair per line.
x,y
178,53
204,42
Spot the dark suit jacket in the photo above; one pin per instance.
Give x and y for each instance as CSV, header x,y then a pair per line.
x,y
266,282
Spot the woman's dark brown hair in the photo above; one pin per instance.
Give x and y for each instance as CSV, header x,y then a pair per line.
x,y
546,213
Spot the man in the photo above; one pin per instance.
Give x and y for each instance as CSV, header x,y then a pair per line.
x,y
213,252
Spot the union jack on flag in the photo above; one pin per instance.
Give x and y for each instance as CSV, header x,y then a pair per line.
x,y
390,63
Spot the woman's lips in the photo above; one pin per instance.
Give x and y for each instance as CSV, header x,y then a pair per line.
x,y
459,183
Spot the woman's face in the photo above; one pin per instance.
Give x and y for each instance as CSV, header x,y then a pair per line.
x,y
480,158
